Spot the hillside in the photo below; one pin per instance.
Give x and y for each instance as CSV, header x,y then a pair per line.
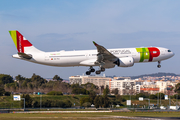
x,y
160,74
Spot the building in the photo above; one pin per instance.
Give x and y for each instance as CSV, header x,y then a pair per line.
x,y
125,87
151,89
96,80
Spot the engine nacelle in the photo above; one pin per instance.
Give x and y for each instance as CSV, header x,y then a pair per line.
x,y
125,62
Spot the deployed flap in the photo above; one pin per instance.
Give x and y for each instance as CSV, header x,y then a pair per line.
x,y
24,55
104,55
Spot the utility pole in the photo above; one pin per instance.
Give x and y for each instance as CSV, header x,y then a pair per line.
x,y
160,98
176,99
24,102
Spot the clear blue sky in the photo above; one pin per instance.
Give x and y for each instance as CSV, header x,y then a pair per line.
x,y
54,25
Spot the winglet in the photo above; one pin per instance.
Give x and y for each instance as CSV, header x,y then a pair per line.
x,y
95,43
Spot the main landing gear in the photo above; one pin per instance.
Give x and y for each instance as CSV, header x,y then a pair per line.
x,y
91,69
159,66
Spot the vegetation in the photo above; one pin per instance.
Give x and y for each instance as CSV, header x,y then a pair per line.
x,y
55,93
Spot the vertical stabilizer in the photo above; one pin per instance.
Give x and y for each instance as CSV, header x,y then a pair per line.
x,y
21,43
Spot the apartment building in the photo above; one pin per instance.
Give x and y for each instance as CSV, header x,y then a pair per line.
x,y
96,80
125,87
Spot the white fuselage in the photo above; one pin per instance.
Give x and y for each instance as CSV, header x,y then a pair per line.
x,y
88,57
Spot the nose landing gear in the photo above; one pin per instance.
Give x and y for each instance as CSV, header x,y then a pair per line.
x,y
159,66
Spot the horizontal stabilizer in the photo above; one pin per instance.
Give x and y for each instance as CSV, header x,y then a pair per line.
x,y
26,56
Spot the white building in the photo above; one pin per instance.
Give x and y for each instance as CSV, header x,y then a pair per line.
x,y
125,87
164,84
96,80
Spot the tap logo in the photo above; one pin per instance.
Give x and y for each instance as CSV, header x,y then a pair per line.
x,y
148,53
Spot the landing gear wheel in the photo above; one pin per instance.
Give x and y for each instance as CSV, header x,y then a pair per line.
x,y
159,62
88,72
102,69
98,72
92,70
159,66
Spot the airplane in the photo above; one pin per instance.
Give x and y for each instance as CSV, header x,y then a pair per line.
x,y
102,57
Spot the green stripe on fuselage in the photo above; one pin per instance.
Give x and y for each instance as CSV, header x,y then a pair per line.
x,y
144,53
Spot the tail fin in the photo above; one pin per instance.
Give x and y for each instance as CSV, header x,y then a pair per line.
x,y
21,43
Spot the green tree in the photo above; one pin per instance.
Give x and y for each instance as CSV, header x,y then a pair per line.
x,y
19,78
75,86
37,80
152,96
120,98
56,77
160,95
28,101
106,102
99,101
92,96
55,93
80,91
106,91
115,91
177,88
84,100
24,84
96,102
144,95
2,91
6,79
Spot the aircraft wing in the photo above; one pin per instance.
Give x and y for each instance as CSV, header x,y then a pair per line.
x,y
104,55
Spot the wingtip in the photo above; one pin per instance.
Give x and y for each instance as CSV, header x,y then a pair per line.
x,y
95,43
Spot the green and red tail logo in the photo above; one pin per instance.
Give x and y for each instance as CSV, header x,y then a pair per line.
x,y
19,41
148,53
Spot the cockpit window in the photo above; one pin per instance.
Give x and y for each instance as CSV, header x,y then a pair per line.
x,y
169,50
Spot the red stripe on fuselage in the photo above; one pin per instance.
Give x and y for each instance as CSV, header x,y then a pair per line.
x,y
153,52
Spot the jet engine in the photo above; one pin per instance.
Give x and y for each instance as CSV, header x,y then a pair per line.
x,y
124,62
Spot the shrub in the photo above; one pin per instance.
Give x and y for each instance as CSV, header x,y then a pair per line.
x,y
55,93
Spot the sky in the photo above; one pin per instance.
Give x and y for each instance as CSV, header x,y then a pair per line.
x,y
54,25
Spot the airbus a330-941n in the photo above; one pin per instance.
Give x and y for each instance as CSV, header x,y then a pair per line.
x,y
102,57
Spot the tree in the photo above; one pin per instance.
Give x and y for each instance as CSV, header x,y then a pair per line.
x,y
84,100
2,91
152,96
28,101
80,91
55,93
92,96
120,98
177,88
37,80
115,91
144,95
106,102
160,95
20,78
106,91
56,77
6,79
96,102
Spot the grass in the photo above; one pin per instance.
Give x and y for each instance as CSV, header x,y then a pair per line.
x,y
7,102
84,116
